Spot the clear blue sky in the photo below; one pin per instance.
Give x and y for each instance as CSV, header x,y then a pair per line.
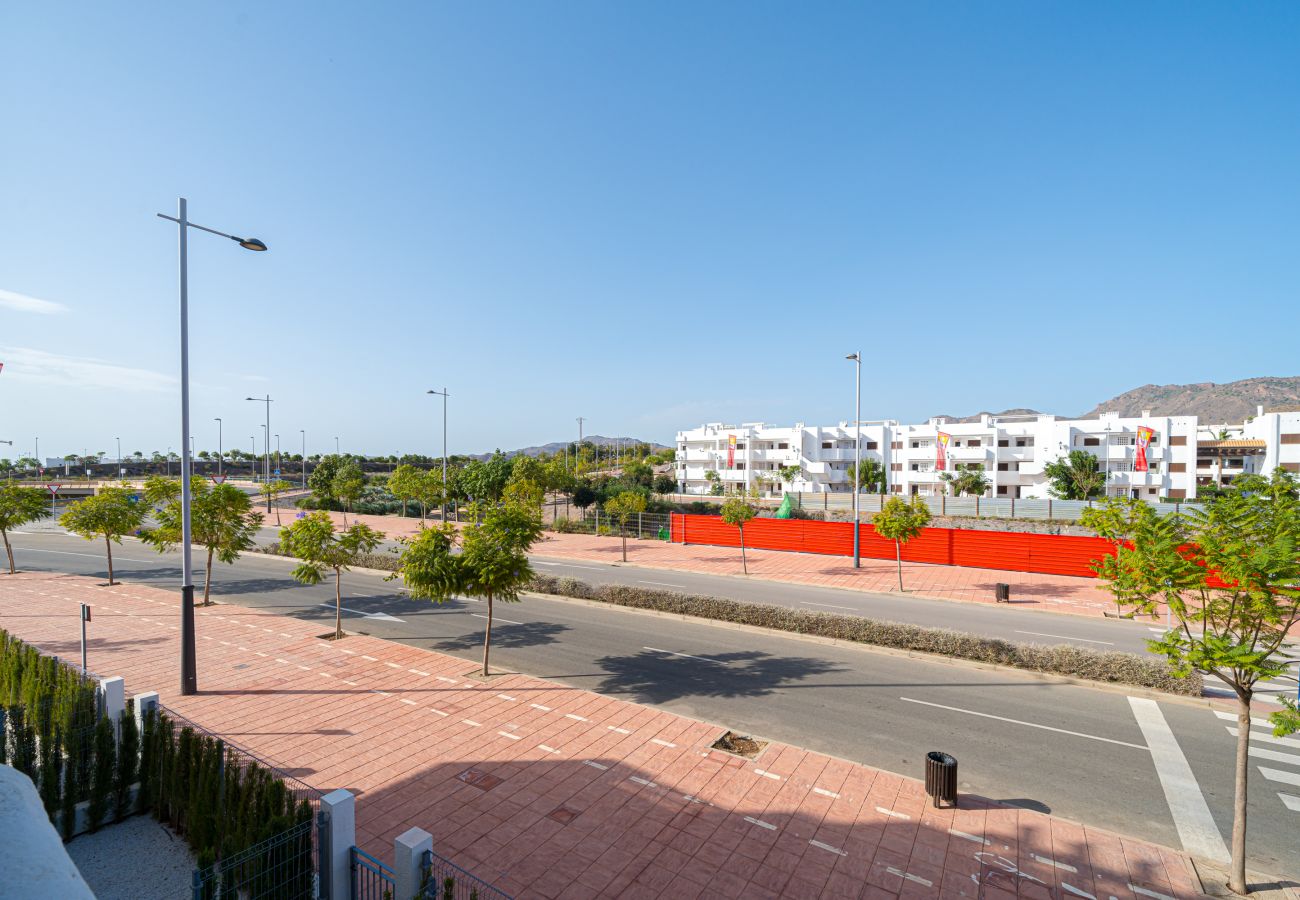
x,y
649,214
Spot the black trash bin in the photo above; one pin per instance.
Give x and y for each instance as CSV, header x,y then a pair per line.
x,y
941,777
1003,592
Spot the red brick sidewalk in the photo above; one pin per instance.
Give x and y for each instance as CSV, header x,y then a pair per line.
x,y
1053,593
551,791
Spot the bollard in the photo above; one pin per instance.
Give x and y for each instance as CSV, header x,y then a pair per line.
x,y
941,777
1002,592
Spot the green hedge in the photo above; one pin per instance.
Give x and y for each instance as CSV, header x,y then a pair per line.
x,y
1105,666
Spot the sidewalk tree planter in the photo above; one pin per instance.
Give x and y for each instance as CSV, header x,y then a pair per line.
x,y
110,514
623,507
222,521
900,521
1230,575
492,563
19,506
737,512
313,540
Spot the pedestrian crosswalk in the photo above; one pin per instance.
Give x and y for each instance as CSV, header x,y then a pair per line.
x,y
1276,751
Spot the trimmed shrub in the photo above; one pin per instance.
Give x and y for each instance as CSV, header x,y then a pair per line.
x,y
1104,666
102,774
128,759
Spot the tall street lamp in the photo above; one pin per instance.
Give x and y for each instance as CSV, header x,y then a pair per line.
x,y
278,458
120,472
857,461
189,669
443,394
266,469
219,450
336,445
303,432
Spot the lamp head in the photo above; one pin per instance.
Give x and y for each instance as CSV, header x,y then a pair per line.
x,y
251,244
853,357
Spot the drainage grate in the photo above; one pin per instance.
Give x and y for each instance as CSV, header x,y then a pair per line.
x,y
479,779
562,814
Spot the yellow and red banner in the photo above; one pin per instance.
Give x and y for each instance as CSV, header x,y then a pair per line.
x,y
731,451
941,451
1143,441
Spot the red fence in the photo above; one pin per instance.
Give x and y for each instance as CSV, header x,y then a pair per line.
x,y
1049,554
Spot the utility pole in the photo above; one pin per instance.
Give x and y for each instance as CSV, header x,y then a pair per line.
x,y
577,456
219,451
444,395
303,432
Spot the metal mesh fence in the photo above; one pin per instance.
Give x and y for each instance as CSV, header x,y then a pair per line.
x,y
444,880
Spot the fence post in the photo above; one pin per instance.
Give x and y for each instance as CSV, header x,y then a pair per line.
x,y
144,703
638,526
408,862
943,504
335,860
114,693
977,506
1049,509
1013,507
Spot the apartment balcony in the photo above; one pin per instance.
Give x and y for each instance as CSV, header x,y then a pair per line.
x,y
694,455
784,457
837,454
1015,454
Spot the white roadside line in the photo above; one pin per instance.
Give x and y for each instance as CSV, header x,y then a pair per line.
x,y
367,615
972,712
827,605
497,619
1064,638
663,584
686,655
1196,828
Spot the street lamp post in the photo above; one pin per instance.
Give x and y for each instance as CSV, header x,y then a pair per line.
x,y
266,469
336,445
303,432
220,453
577,454
189,668
443,394
857,461
278,458
252,459
120,472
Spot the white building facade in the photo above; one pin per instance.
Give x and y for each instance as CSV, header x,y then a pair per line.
x,y
1181,454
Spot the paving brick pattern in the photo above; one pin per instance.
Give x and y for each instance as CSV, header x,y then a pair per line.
x,y
550,791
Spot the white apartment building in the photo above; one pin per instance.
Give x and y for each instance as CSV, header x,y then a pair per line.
x,y
1181,455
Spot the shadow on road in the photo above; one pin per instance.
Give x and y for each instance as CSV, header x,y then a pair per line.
x,y
651,677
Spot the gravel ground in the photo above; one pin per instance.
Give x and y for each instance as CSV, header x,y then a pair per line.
x,y
138,859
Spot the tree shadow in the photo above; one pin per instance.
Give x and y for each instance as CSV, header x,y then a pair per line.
x,y
650,677
531,634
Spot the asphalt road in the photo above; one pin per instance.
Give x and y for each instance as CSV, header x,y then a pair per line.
x,y
1075,751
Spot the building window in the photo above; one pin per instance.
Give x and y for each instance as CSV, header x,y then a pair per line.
x,y
895,467
1092,442
895,445
1004,467
783,446
740,445
1024,442
871,445
827,445
1003,442
973,442
740,465
1180,440
1002,489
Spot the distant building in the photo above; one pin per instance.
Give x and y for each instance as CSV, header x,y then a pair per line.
x,y
1180,453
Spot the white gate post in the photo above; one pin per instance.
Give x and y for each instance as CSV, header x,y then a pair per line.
x,y
114,693
408,860
342,809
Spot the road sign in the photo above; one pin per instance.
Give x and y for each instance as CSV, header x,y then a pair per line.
x,y
53,488
217,479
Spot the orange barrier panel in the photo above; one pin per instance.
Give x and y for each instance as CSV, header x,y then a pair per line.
x,y
1014,551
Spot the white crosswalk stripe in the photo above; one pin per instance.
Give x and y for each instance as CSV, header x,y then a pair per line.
x,y
1275,751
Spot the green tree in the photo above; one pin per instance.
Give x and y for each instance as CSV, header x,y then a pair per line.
x,y
623,507
738,512
404,484
873,476
1075,477
313,541
109,514
18,506
485,480
1229,575
900,521
665,484
274,488
789,474
715,482
347,486
321,480
968,479
1117,520
584,494
492,563
222,521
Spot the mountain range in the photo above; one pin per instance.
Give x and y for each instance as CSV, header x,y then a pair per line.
x,y
1232,402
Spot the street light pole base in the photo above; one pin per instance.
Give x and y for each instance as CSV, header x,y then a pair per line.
x,y
189,667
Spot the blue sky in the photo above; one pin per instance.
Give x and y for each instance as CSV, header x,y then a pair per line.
x,y
651,215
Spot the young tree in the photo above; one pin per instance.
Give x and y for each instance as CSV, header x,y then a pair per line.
x,y
18,506
313,540
872,480
1117,520
1075,477
274,488
485,480
348,484
715,482
110,514
1230,577
404,484
492,565
969,479
738,512
900,521
623,507
222,521
321,480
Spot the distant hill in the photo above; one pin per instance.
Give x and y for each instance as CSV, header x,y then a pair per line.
x,y
1231,402
558,446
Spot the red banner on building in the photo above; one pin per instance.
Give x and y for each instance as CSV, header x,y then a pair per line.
x,y
731,451
1143,441
941,451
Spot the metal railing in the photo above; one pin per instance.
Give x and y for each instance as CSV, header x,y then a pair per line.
x,y
645,526
978,507
371,879
442,879
282,867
